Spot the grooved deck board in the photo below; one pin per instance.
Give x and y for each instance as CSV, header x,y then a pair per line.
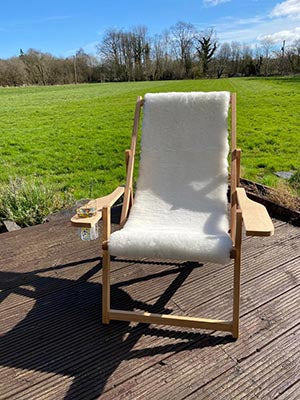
x,y
292,392
53,345
264,375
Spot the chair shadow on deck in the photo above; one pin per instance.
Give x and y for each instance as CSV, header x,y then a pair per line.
x,y
63,334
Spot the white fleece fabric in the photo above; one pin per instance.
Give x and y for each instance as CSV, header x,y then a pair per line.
x,y
180,206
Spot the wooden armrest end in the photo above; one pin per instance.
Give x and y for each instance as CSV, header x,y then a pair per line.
x,y
105,201
255,216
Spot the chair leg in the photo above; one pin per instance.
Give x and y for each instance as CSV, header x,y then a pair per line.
x,y
236,298
105,286
237,276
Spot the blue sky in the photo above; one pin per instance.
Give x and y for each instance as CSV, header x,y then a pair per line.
x,y
62,27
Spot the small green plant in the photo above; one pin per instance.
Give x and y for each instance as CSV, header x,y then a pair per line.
x,y
28,203
284,195
294,180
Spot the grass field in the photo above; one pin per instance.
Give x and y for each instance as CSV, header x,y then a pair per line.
x,y
74,136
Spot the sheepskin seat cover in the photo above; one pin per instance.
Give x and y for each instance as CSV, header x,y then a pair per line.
x,y
180,206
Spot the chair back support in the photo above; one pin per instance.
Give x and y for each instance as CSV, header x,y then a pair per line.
x,y
183,166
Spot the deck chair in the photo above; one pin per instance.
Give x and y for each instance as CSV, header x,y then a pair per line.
x,y
180,208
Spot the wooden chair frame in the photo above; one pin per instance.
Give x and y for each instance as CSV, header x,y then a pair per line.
x,y
242,210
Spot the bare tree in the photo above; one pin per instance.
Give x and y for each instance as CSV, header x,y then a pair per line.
x,y
236,50
293,56
162,62
126,55
13,72
35,66
206,47
82,66
267,45
141,51
132,55
183,34
223,58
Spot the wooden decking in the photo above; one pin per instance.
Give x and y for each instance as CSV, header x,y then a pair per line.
x,y
53,345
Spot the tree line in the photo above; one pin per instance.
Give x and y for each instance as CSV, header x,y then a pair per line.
x,y
181,52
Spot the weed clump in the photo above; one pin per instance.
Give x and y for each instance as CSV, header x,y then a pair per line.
x,y
28,203
283,194
294,180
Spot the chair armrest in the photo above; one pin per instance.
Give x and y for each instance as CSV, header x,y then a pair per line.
x,y
255,216
105,201
109,200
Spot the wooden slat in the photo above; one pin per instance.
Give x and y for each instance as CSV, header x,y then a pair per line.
x,y
74,268
233,121
60,344
127,156
237,275
49,244
72,264
106,266
255,216
108,200
238,153
233,169
174,320
182,373
291,393
265,375
129,187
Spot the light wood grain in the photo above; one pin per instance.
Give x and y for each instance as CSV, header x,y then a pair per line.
x,y
108,200
233,169
127,156
237,275
129,184
174,320
106,266
233,120
255,216
238,166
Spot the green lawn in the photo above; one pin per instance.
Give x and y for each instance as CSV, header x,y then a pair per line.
x,y
75,136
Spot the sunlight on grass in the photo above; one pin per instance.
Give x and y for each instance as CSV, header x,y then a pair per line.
x,y
74,136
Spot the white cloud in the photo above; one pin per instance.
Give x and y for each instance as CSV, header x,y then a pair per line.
x,y
288,8
212,3
89,48
288,35
233,21
247,21
251,30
